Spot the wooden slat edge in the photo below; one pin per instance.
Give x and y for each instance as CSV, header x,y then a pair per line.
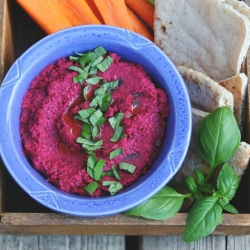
x,y
58,224
6,44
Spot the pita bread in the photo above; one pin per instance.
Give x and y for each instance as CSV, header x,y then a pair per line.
x,y
237,85
240,6
209,36
205,94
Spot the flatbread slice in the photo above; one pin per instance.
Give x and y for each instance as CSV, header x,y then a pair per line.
x,y
205,94
237,85
209,36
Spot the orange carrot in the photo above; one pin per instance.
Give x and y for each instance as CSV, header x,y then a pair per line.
x,y
114,12
94,9
143,9
46,14
139,26
81,9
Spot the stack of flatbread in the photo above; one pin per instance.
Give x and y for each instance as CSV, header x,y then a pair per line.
x,y
208,41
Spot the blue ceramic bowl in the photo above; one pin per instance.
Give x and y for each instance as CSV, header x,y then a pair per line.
x,y
131,47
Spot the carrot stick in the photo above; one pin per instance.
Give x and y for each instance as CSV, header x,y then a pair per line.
x,y
114,12
138,26
143,9
94,9
46,14
81,9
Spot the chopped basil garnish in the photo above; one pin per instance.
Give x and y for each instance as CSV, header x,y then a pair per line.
x,y
97,118
117,134
86,131
115,153
100,51
114,186
84,114
93,80
104,65
95,167
115,120
91,187
90,63
115,173
88,145
127,166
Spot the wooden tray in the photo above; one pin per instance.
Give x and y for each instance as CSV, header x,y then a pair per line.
x,y
21,214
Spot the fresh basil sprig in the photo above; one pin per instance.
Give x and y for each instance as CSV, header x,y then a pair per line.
x,y
217,139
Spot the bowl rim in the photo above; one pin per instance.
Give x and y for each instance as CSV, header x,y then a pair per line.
x,y
48,195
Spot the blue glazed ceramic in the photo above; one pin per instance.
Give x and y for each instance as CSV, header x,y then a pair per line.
x,y
131,47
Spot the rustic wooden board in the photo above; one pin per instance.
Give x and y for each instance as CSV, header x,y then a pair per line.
x,y
42,242
58,224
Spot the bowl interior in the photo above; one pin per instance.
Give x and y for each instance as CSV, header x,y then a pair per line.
x,y
131,47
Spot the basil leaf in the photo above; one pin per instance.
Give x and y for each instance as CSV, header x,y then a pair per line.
x,y
91,187
97,118
88,145
86,131
205,215
127,166
98,169
114,186
91,162
162,206
77,69
199,177
115,120
115,153
95,132
84,114
93,80
117,134
104,65
97,61
100,51
115,173
227,182
217,137
231,209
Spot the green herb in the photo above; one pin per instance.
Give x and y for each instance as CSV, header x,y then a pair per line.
x,y
95,167
116,120
97,118
93,80
84,114
90,63
217,139
91,187
115,173
164,205
100,51
115,153
95,131
127,166
104,65
86,131
117,134
88,145
114,186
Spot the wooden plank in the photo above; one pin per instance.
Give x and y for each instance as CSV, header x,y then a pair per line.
x,y
12,242
59,224
238,242
6,43
176,243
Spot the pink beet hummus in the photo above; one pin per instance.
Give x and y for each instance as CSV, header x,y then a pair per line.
x,y
49,130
